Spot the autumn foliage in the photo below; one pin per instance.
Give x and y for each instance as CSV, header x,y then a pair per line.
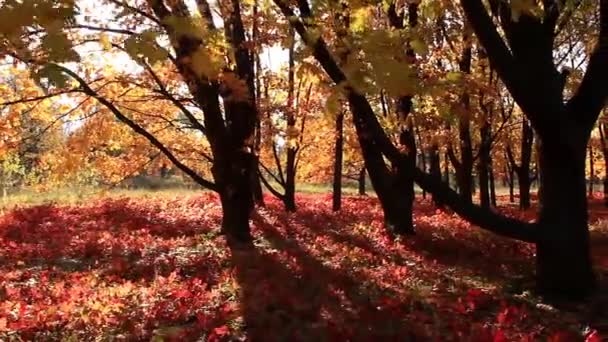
x,y
141,269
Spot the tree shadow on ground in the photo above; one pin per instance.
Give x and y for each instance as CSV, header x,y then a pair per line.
x,y
468,253
314,300
293,285
117,238
317,297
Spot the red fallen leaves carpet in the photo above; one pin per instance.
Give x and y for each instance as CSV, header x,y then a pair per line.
x,y
156,269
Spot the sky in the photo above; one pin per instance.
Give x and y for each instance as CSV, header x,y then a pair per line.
x,y
273,58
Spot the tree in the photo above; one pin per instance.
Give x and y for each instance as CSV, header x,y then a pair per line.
x,y
524,62
215,65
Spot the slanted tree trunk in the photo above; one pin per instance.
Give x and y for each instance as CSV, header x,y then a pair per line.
x,y
361,182
338,153
394,192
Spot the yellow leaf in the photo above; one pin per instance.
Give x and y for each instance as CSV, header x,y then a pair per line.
x,y
206,64
105,42
360,18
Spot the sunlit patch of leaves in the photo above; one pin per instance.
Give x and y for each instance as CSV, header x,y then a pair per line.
x,y
158,269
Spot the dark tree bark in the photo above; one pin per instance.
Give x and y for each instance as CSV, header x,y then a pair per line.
x,y
510,178
399,192
422,157
338,153
464,165
527,69
446,169
523,169
591,171
230,128
563,255
436,170
361,182
258,195
492,182
561,234
464,124
487,193
289,199
343,22
483,165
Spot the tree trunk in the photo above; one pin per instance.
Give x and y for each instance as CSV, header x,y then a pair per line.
x,y
492,182
436,170
289,199
256,184
256,91
484,180
446,169
361,182
483,166
423,166
235,217
233,178
464,174
399,200
511,179
591,170
394,188
523,171
523,178
338,153
563,257
290,166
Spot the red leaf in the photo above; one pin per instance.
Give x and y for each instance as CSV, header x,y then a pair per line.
x,y
594,336
221,331
499,336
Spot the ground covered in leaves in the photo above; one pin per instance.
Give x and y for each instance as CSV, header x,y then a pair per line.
x,y
157,269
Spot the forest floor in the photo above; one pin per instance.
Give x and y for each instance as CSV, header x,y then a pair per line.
x,y
141,269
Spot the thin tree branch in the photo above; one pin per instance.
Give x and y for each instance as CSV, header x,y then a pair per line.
x,y
138,129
